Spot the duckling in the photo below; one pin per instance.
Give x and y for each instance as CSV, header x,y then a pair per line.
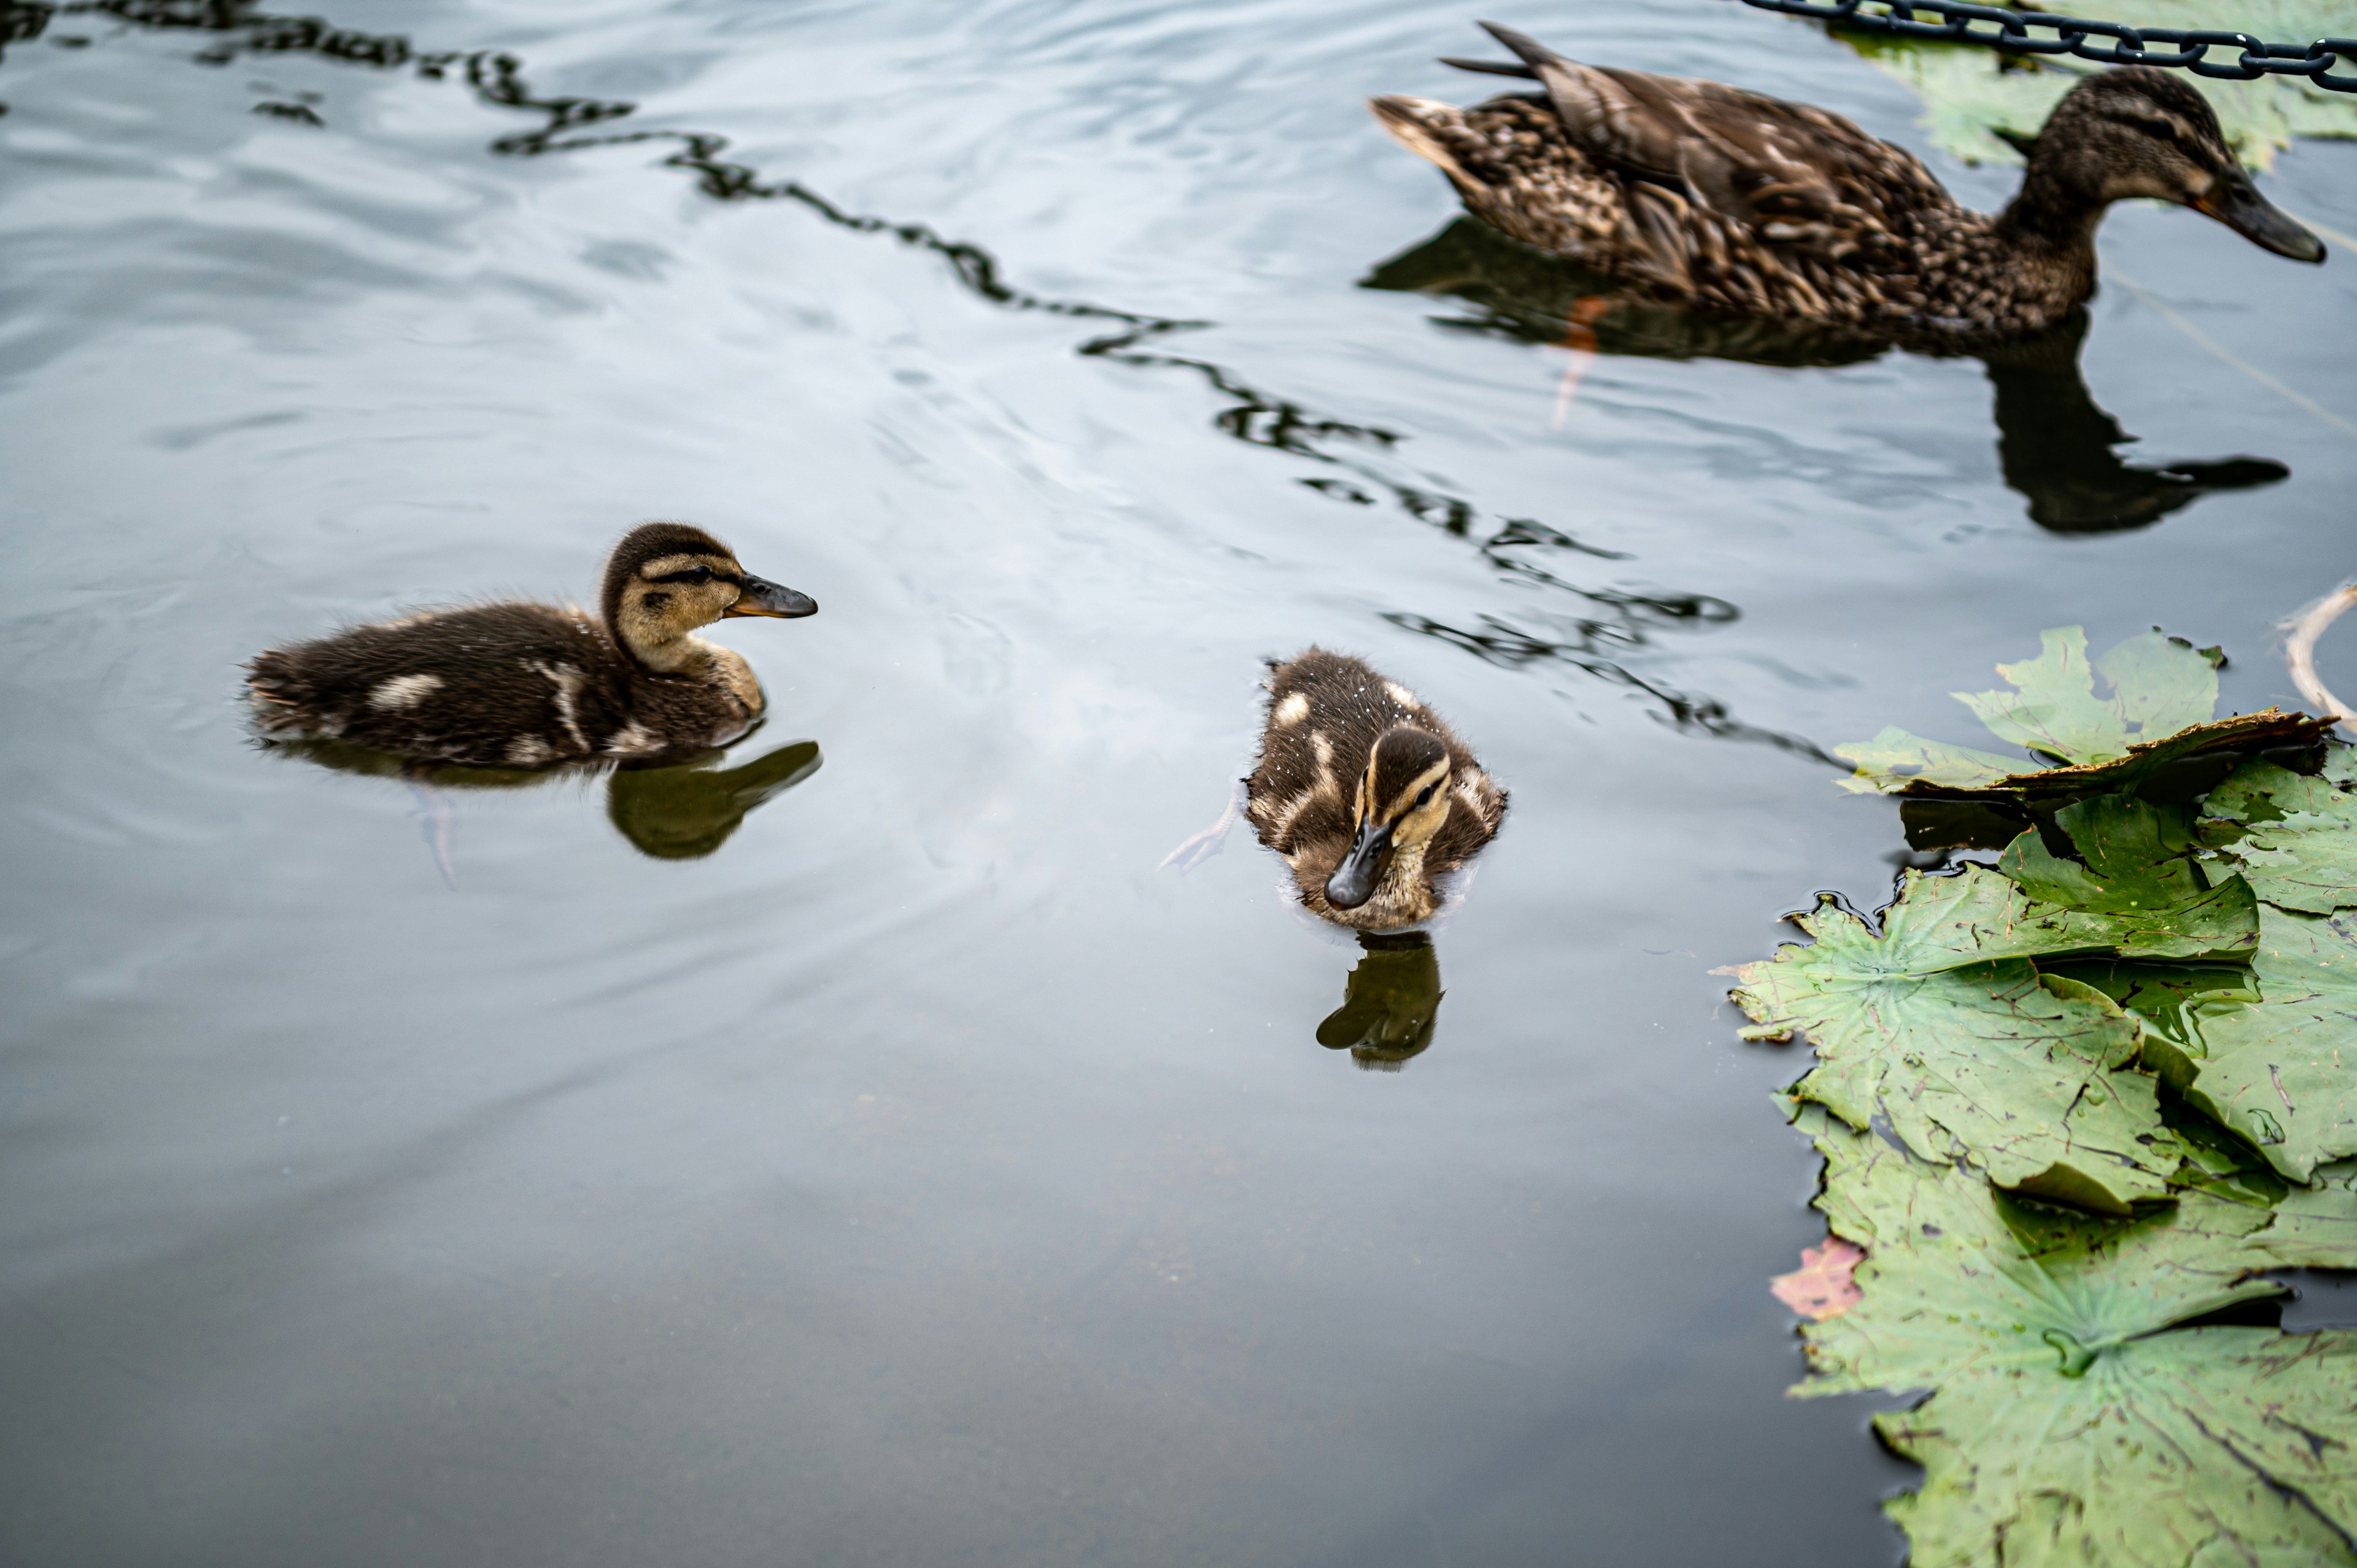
x,y
1366,794
524,685
1755,206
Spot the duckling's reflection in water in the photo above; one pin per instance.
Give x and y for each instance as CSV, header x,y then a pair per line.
x,y
2054,445
1390,1003
672,808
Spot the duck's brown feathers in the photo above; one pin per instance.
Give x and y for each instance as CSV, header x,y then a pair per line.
x,y
1326,711
1748,204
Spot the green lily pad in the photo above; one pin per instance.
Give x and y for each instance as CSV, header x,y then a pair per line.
x,y
1942,1025
2281,1071
1971,94
2154,718
2159,685
2295,837
2071,1423
2138,875
2166,999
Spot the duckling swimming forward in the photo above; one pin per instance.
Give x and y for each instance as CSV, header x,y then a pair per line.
x,y
522,685
1756,206
1369,797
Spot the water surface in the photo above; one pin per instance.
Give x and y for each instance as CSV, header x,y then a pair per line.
x,y
885,1163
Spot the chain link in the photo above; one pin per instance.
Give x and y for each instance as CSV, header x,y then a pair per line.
x,y
1964,23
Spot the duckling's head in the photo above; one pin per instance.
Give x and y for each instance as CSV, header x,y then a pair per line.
x,y
2136,131
1401,800
666,579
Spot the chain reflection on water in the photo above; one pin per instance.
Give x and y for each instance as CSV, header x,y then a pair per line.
x,y
1254,417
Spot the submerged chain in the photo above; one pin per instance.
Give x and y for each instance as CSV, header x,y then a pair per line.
x,y
1962,22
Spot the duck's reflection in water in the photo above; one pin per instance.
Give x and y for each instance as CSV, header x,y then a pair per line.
x,y
1390,1003
672,808
2054,445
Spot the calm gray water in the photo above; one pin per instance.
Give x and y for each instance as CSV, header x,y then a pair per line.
x,y
921,1177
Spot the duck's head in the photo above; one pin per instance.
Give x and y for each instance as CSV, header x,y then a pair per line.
x,y
666,579
2136,131
1403,799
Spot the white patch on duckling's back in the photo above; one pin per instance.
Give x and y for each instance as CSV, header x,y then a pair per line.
x,y
1401,694
530,751
1291,711
403,692
631,739
1323,747
567,679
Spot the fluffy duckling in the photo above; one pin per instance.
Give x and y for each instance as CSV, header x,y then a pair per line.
x,y
1366,795
1752,205
523,685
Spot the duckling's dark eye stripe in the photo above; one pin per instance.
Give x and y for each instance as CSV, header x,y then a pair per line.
x,y
692,575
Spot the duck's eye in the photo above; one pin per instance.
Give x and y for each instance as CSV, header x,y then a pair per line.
x,y
1423,796
699,574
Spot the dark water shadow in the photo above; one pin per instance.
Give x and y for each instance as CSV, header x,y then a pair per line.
x,y
1357,459
1391,1002
2055,446
676,808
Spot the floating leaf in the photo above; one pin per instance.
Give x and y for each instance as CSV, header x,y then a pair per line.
x,y
2067,1426
2295,837
2165,997
1943,1026
2139,876
2153,719
1895,755
2160,686
2274,1069
1821,1287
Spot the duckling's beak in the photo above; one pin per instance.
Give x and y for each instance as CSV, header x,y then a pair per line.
x,y
1353,882
2234,201
763,597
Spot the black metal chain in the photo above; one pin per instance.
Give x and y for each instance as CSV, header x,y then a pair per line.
x,y
2010,31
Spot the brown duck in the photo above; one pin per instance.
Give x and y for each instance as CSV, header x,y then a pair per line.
x,y
1748,204
523,685
1366,795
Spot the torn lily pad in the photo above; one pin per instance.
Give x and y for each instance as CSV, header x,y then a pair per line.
x,y
1941,1025
2152,714
2293,836
2071,1423
2137,877
2282,1071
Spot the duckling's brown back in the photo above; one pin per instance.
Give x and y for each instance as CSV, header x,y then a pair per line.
x,y
518,685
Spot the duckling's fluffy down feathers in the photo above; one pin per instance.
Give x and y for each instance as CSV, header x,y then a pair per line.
x,y
499,684
1326,713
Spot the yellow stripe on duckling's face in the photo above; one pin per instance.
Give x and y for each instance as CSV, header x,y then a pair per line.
x,y
1414,813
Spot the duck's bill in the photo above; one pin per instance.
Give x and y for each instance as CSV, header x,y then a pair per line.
x,y
1353,882
2236,203
763,597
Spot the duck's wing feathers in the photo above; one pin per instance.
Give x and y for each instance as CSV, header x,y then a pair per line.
x,y
1788,172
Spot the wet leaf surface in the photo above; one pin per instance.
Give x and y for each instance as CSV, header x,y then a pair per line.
x,y
2288,833
2072,1422
2138,875
2150,720
2275,1070
1943,1026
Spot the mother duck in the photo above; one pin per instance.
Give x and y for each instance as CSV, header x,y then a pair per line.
x,y
1744,203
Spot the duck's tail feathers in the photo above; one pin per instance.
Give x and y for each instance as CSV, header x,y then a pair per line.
x,y
1491,67
1528,49
1420,125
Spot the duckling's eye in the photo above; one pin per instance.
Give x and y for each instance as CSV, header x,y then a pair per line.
x,y
1423,796
699,574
